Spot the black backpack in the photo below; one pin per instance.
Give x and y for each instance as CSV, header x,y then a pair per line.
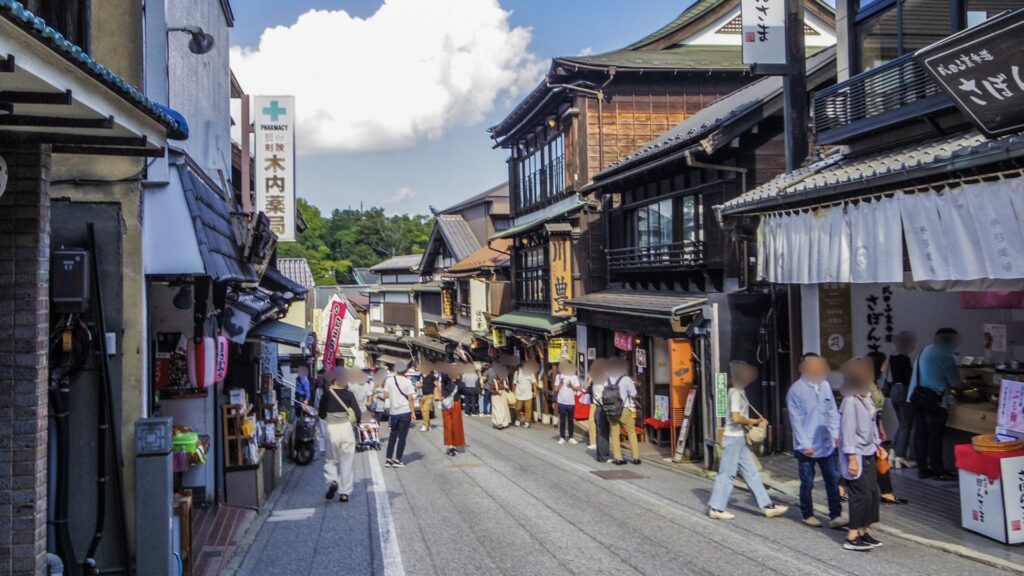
x,y
611,400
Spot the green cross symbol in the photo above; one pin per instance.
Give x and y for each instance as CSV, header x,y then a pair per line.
x,y
274,111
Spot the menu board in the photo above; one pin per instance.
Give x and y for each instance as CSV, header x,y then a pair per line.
x,y
1011,408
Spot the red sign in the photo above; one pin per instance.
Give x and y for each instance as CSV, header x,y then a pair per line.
x,y
333,338
624,341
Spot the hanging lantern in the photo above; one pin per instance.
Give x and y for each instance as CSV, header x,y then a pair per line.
x,y
202,358
221,367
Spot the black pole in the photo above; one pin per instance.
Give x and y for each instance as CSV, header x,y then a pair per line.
x,y
795,87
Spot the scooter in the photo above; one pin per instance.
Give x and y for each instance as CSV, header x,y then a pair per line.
x,y
303,441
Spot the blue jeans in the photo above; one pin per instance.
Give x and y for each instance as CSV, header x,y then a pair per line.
x,y
736,456
485,402
829,473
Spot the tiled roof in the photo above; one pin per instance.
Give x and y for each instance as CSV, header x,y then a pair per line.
x,y
457,235
298,270
533,321
364,277
688,57
498,193
215,234
836,172
527,226
275,281
491,256
407,263
17,13
639,302
717,115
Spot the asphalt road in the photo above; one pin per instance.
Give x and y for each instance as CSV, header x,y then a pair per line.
x,y
516,503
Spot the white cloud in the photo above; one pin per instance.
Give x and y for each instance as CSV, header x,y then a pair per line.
x,y
404,193
586,51
409,72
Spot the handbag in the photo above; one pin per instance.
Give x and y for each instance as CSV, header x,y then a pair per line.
x,y
510,397
758,433
449,401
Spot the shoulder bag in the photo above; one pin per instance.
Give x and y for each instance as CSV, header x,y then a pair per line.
x,y
757,434
449,401
339,418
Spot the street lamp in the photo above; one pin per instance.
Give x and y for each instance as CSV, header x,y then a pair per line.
x,y
200,43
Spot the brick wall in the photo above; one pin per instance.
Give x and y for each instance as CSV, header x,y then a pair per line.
x,y
24,325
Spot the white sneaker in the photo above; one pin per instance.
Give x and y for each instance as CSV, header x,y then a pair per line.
x,y
526,425
561,441
592,447
573,441
423,428
776,510
720,514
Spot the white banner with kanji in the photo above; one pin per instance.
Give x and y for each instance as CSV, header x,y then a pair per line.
x,y
274,133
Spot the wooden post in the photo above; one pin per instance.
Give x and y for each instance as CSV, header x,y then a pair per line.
x,y
247,206
795,87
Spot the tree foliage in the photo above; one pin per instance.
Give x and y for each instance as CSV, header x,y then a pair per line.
x,y
349,239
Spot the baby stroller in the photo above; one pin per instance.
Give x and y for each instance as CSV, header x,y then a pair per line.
x,y
369,436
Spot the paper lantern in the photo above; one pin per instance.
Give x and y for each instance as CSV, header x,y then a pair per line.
x,y
221,367
202,360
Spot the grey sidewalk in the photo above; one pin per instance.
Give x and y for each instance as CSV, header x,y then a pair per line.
x,y
933,512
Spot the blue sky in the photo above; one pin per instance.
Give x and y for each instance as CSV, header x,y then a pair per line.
x,y
456,160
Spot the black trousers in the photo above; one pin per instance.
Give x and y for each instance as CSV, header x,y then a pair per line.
x,y
929,430
604,429
865,496
471,400
399,430
566,421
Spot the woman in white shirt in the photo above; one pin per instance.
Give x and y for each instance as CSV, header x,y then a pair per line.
x,y
736,455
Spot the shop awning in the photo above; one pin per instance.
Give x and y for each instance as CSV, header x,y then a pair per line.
x,y
280,333
533,322
275,281
429,344
458,335
434,287
540,221
639,303
63,97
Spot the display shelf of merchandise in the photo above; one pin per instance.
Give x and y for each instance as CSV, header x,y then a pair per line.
x,y
234,436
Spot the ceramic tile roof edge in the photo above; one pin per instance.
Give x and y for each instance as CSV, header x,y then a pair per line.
x,y
393,263
17,13
307,279
489,195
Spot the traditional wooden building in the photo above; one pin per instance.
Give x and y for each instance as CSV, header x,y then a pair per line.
x,y
394,314
588,113
674,283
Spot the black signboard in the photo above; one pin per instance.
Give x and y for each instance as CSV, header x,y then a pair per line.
x,y
982,68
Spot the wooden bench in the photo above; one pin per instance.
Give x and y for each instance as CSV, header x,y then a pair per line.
x,y
660,429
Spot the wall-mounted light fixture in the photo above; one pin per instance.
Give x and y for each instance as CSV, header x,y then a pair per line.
x,y
200,43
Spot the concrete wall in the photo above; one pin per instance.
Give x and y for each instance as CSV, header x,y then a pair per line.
x,y
24,332
200,85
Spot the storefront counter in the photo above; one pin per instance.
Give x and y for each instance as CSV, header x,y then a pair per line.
x,y
974,417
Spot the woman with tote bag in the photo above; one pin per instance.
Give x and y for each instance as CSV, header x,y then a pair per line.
x,y
340,411
740,429
451,413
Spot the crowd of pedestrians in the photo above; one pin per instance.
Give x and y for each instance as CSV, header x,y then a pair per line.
x,y
844,440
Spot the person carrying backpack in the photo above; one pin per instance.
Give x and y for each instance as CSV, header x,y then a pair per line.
x,y
619,402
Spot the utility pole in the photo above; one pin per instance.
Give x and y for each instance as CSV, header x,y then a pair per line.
x,y
795,87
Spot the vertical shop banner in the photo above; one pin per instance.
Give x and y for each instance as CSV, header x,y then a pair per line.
x,y
836,323
447,303
680,354
560,251
764,32
478,305
721,395
1010,419
332,340
274,130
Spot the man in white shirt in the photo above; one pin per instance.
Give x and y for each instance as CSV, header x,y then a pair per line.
x,y
618,376
526,380
400,390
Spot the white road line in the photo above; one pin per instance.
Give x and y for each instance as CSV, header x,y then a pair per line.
x,y
392,557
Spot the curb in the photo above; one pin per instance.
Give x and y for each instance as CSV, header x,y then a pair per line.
x,y
770,483
242,550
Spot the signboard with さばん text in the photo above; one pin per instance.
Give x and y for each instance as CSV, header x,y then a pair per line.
x,y
764,32
982,69
274,133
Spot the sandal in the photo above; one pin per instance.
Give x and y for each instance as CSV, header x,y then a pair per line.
x,y
897,501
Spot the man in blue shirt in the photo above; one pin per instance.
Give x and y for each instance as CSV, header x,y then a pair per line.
x,y
302,385
814,418
935,373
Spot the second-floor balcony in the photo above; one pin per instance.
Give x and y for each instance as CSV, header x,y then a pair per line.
x,y
686,255
881,97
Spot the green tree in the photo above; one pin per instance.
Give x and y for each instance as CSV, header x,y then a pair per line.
x,y
354,239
